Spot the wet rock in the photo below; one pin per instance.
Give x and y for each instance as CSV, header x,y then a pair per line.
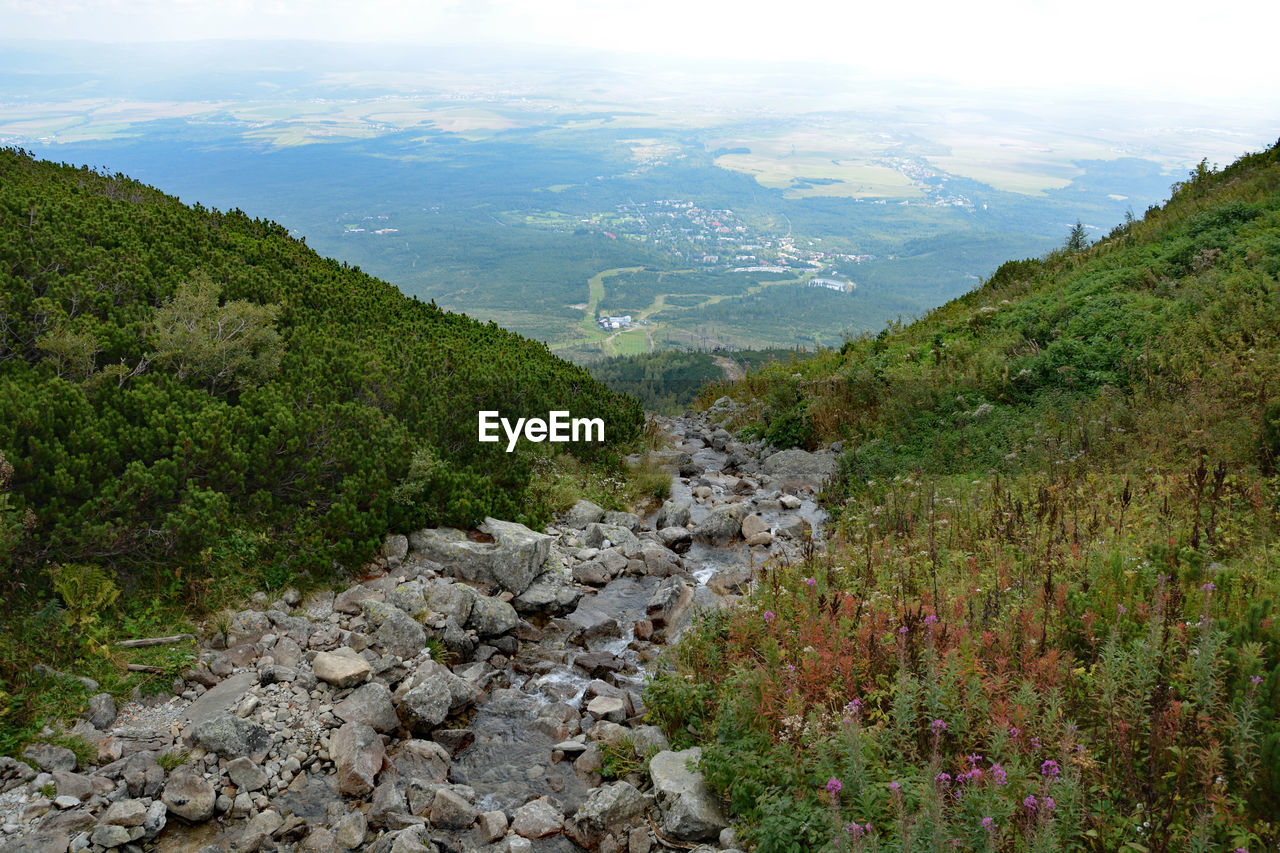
x,y
540,818
789,501
188,794
450,811
760,540
659,560
581,514
369,704
722,524
231,737
340,670
427,697
393,629
358,755
512,560
550,593
629,520
491,617
350,830
593,573
319,840
387,800
454,740
599,664
101,712
611,708
689,811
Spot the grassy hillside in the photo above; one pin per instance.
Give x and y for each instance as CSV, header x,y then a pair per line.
x,y
192,403
1048,618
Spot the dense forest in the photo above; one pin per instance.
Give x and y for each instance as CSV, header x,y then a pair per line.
x,y
668,381
1046,618
180,385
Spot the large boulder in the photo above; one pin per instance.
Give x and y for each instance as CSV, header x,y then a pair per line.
x,y
581,514
721,525
674,513
800,468
512,560
369,704
615,535
188,794
538,818
607,810
450,599
689,811
422,759
431,694
231,737
491,617
358,755
393,629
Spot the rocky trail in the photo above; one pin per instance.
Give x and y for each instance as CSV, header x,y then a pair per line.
x,y
462,697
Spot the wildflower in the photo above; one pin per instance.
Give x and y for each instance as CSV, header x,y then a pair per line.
x,y
1255,680
998,774
769,616
930,619
1050,769
833,786
938,727
895,787
1049,804
811,581
903,630
1014,732
1030,802
1208,587
854,707
943,779
1035,742
989,824
1120,609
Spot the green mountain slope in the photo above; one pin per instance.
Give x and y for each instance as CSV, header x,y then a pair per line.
x,y
179,385
1047,619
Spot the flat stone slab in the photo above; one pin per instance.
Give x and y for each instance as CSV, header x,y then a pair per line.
x,y
221,698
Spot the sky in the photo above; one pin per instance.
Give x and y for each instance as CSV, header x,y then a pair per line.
x,y
1199,51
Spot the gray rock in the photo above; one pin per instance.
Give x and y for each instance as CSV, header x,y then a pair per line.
x,y
669,601
689,811
348,601
393,629
359,756
396,547
678,539
110,835
490,826
629,520
581,514
41,841
450,599
221,697
74,785
231,737
721,525
369,704
608,810
422,759
188,794
247,626
551,593
386,801
754,524
593,573
350,830
673,514
450,811
157,817
127,812
101,712
800,468
246,775
340,670
540,818
491,617
49,758
611,708
598,534
409,597
512,560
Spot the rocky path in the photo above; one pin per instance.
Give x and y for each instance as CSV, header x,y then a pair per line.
x,y
463,697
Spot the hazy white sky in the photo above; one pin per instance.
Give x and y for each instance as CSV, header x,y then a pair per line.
x,y
1194,49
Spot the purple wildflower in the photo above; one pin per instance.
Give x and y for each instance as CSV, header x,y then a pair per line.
x,y
1030,802
930,619
1050,769
1014,732
1120,609
895,787
769,616
998,774
1049,804
943,779
989,824
811,581
833,786
903,630
938,727
1208,587
1255,680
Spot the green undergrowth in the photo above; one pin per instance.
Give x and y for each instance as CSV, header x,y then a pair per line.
x,y
1046,618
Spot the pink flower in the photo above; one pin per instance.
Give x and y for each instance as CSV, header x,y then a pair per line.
x,y
989,824
943,779
1208,587
998,774
1255,679
1049,804
1014,732
930,619
895,787
768,616
1030,802
903,630
811,581
938,727
833,786
1050,769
